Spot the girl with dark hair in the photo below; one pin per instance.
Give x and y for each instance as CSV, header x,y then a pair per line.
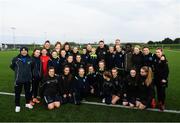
x,y
57,47
36,74
107,88
67,48
67,85
47,46
161,72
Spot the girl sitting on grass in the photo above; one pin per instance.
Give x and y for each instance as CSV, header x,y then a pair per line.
x,y
131,86
145,88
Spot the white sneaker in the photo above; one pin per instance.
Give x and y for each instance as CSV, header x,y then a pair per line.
x,y
17,109
29,106
103,100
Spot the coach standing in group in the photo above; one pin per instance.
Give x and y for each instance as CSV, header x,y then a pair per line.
x,y
22,66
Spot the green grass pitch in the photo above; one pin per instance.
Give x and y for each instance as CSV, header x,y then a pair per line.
x,y
86,112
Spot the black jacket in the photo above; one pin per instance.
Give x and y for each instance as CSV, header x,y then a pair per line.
x,y
119,86
108,88
37,69
110,60
92,79
100,79
50,86
23,68
56,64
78,65
119,60
81,84
131,86
145,93
137,60
101,53
161,70
148,60
85,58
67,83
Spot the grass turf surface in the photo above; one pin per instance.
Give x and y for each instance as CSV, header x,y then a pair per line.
x,y
86,112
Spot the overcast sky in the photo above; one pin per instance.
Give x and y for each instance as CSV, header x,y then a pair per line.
x,y
89,20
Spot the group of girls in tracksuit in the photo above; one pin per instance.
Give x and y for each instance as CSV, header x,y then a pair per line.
x,y
116,75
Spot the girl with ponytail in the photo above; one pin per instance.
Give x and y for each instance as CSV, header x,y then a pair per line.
x,y
145,88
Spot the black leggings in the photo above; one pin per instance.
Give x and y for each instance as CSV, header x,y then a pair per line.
x,y
35,87
18,89
161,93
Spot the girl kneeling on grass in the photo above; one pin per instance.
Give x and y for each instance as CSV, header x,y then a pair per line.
x,y
67,85
145,88
131,86
107,88
81,87
119,87
51,89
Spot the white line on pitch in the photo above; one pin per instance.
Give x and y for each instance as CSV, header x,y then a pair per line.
x,y
102,104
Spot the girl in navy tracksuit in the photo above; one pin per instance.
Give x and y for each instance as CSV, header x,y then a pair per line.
x,y
119,58
131,87
81,87
62,60
101,69
110,58
85,56
92,79
37,74
161,71
55,62
107,88
147,57
67,85
51,89
145,88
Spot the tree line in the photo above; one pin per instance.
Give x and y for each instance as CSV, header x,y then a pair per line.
x,y
166,41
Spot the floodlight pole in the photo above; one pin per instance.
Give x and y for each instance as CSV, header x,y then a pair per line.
x,y
13,36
